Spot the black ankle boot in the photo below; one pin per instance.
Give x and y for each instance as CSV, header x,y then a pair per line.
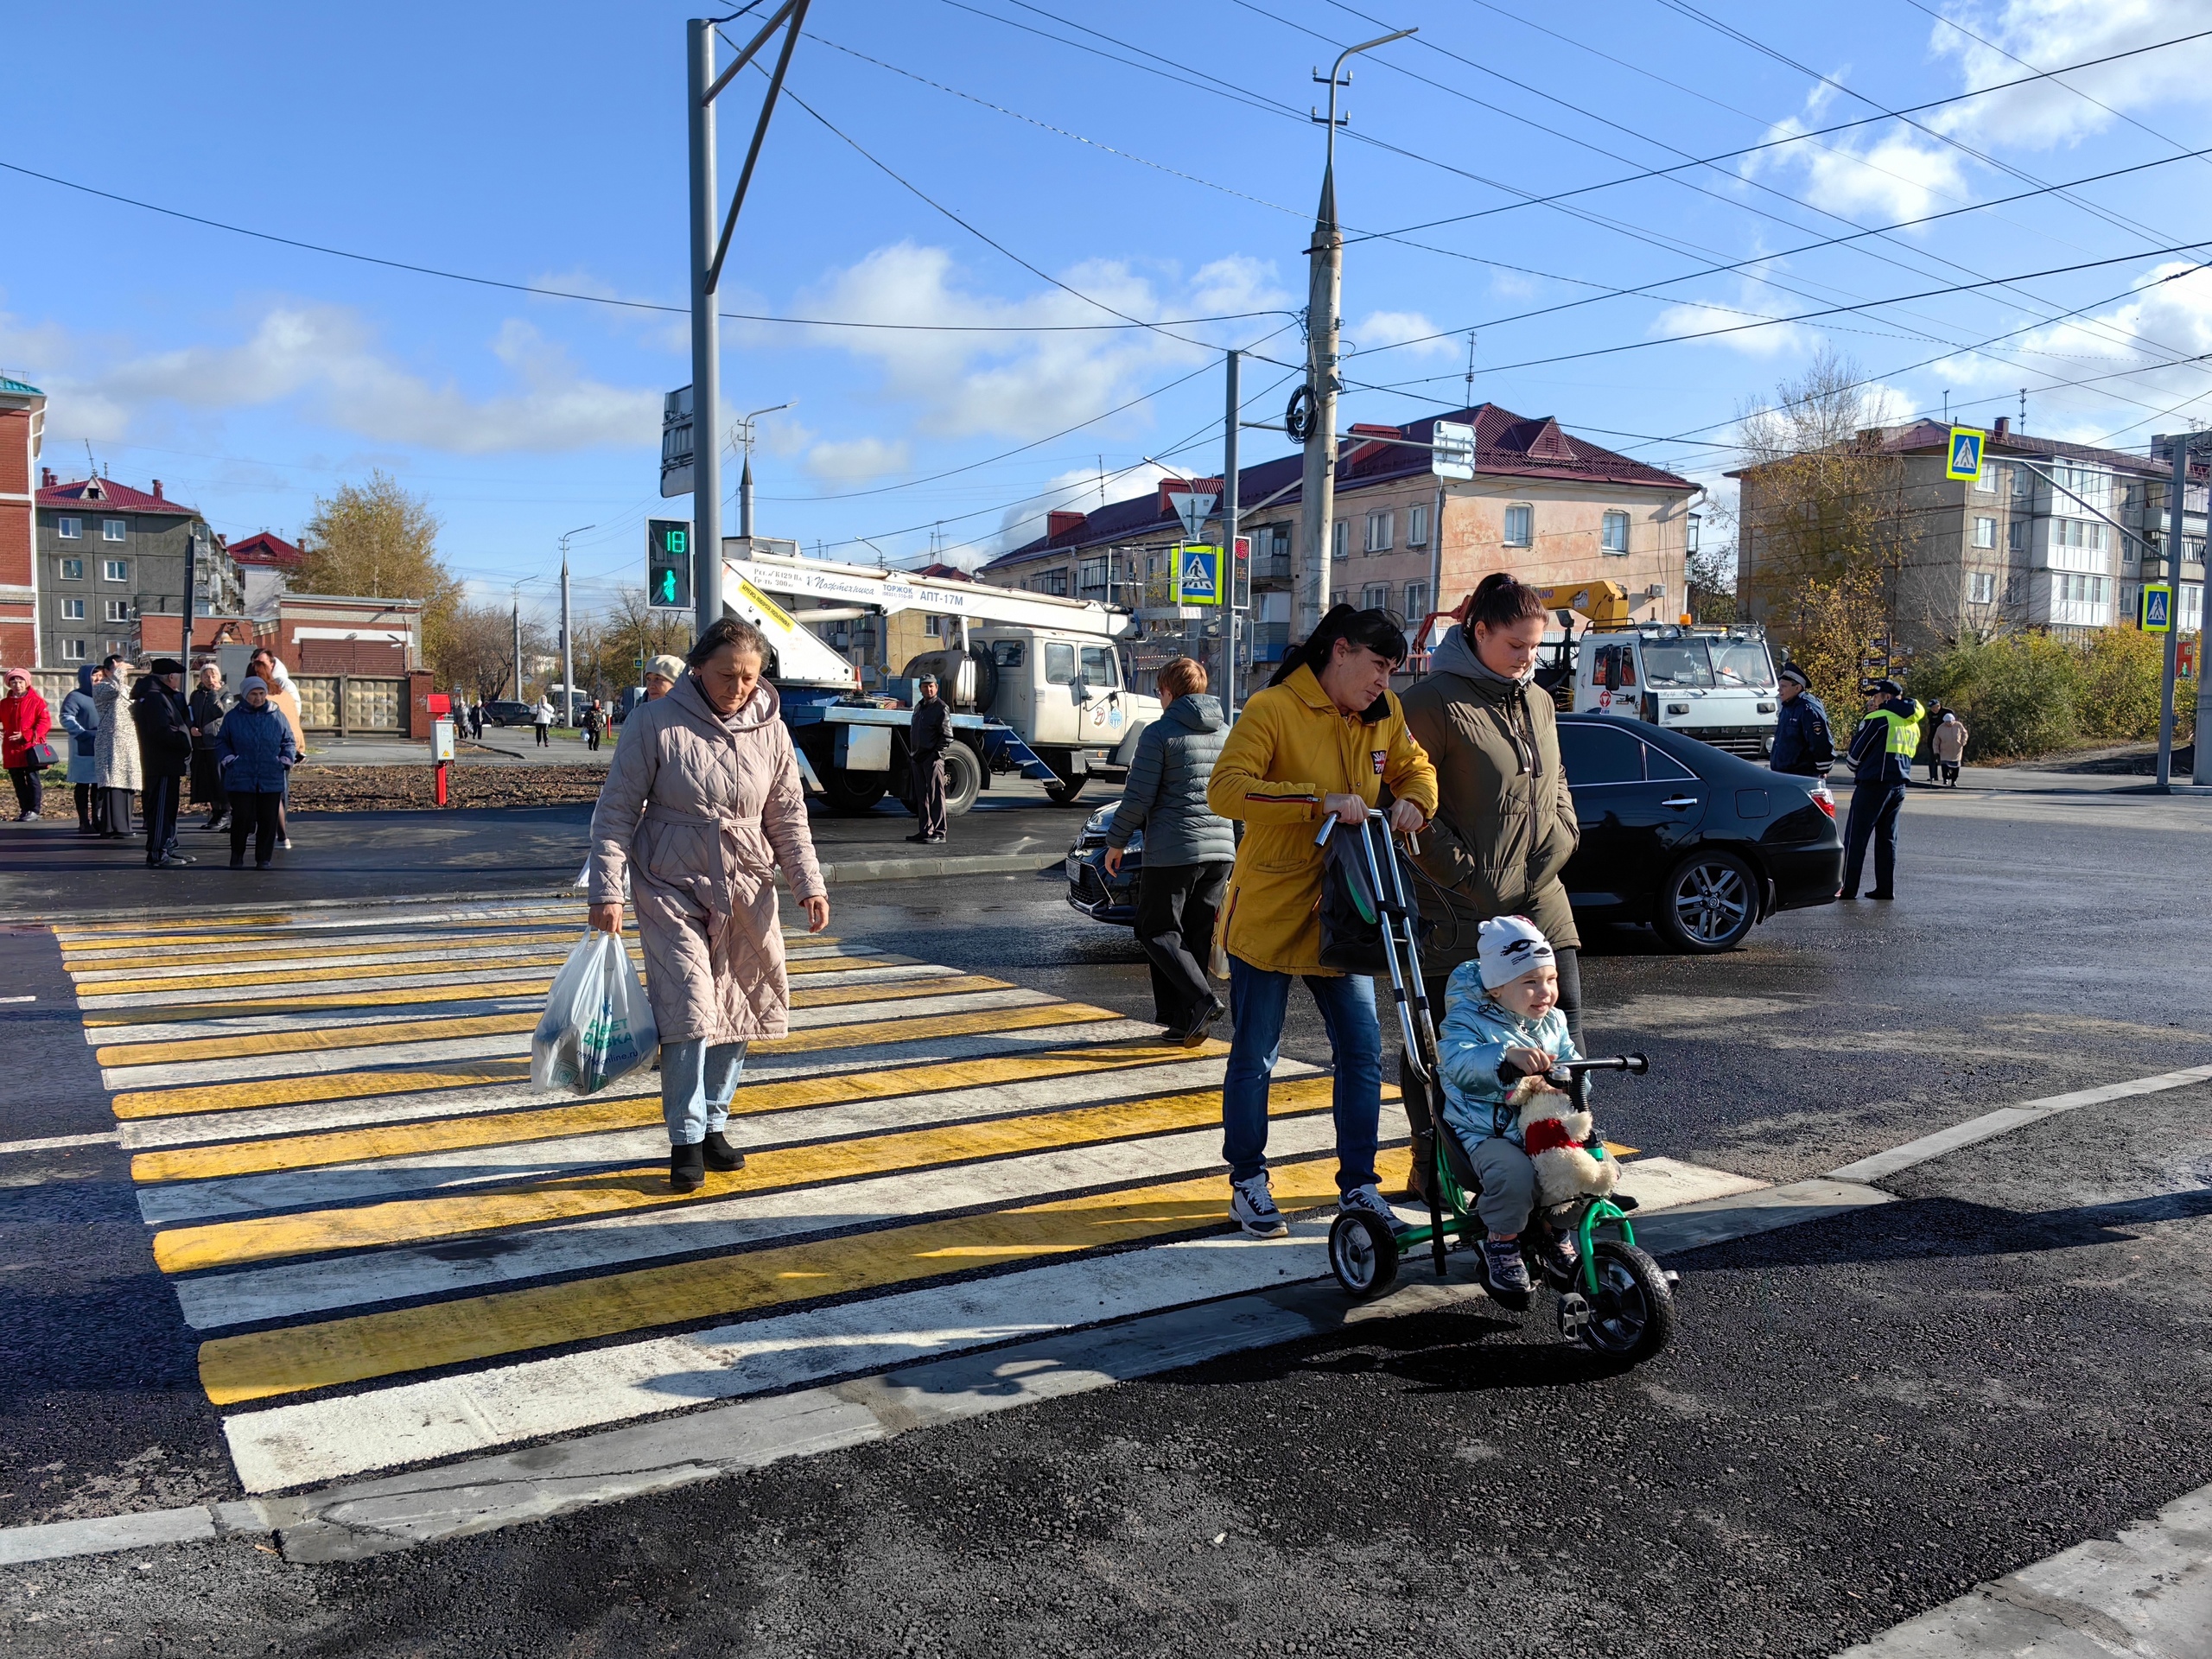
x,y
720,1153
687,1166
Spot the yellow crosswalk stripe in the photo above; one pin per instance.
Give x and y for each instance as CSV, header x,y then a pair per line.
x,y
594,1116
227,932
576,1198
80,966
356,1349
326,1038
820,961
943,985
462,1074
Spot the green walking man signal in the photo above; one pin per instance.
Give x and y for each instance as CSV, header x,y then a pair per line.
x,y
668,564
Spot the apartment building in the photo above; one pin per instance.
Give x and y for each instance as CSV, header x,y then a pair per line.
x,y
22,429
109,554
1546,505
2051,534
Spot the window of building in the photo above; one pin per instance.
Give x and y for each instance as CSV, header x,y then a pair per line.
x,y
1417,527
1986,482
2097,536
72,651
1090,578
1059,663
2080,590
2016,534
1983,590
1340,538
1375,596
1056,583
69,529
2012,590
1985,532
2022,477
72,610
1379,528
115,570
1613,535
1520,525
72,569
117,610
1417,602
110,530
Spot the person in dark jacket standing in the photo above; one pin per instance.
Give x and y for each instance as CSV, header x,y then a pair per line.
x,y
1802,743
80,718
207,711
927,738
164,722
1188,848
254,748
1881,771
1505,824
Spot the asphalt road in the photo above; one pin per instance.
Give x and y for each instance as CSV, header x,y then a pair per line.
x,y
1859,1418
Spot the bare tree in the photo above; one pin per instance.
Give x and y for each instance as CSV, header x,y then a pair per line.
x,y
476,650
635,633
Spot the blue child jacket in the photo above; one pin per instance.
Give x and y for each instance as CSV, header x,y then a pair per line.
x,y
1478,1030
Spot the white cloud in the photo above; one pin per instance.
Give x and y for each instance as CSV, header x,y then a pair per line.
x,y
1886,172
1024,381
1726,325
1078,490
2049,34
326,361
857,461
1380,331
2170,313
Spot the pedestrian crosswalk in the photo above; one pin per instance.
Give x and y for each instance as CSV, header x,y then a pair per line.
x,y
391,1249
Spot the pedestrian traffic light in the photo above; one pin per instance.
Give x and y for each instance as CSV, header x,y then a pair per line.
x,y
668,564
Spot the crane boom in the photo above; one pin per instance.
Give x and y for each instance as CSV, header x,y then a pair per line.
x,y
895,590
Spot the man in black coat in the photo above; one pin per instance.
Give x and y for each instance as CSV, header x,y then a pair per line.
x,y
164,722
927,738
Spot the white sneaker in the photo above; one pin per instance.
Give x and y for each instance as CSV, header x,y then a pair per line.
x,y
1370,1199
1253,1207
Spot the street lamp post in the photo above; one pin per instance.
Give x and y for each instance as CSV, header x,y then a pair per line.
x,y
745,477
1325,284
568,650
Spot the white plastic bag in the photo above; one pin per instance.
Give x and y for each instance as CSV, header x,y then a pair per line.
x,y
598,1025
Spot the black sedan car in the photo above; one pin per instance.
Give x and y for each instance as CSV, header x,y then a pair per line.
x,y
1701,844
507,712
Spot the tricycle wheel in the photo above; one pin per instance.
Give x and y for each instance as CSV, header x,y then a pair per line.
x,y
1632,1315
1363,1254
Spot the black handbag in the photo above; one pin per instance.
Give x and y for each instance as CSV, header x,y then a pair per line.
x,y
1352,916
43,753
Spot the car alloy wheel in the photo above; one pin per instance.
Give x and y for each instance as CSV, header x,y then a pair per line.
x,y
1710,902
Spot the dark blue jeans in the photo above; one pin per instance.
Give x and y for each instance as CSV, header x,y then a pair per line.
x,y
1258,1001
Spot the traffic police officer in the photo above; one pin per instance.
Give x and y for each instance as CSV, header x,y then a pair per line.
x,y
1802,744
1881,768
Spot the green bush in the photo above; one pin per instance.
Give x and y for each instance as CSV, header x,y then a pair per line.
x,y
2029,694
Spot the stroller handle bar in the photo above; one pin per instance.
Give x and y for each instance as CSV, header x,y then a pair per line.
x,y
1635,1064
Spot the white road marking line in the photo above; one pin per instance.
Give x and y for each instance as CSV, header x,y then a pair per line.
x,y
174,1074
445,1267
2006,1118
18,999
219,927
56,1142
142,1135
384,1013
333,1184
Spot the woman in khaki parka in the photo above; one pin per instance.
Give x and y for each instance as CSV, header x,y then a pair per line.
x,y
1323,740
702,804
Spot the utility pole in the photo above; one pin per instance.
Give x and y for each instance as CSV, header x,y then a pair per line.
x,y
1229,507
709,251
1325,284
517,599
2182,444
568,652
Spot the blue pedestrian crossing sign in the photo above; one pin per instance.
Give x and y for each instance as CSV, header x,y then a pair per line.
x,y
2157,614
1965,452
1197,576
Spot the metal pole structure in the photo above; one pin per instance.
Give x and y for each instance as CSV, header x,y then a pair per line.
x,y
706,337
568,643
745,496
1229,506
1324,284
518,599
2175,508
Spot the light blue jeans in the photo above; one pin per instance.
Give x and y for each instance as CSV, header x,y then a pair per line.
x,y
697,1082
1259,1002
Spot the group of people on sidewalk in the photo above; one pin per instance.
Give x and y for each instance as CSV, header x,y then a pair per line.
x,y
129,734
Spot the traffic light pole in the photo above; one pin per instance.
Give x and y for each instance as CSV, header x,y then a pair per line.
x,y
2176,505
709,250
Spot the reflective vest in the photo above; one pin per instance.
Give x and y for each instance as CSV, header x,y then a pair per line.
x,y
1903,734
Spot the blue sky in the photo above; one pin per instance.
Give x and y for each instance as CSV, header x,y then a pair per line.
x,y
1151,160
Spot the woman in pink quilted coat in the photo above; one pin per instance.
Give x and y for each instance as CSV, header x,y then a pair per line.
x,y
701,806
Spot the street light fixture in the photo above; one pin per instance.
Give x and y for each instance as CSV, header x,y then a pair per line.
x,y
741,434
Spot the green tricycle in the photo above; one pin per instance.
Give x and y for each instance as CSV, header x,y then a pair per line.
x,y
1614,1298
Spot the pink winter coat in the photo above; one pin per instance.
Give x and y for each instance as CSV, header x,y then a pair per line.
x,y
699,815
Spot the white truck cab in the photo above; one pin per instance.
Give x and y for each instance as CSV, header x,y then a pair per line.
x,y
1714,683
1066,693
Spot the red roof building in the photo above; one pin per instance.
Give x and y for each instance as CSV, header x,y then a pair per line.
x,y
22,426
267,563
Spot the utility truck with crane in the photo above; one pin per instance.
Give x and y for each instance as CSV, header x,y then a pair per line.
x,y
1035,681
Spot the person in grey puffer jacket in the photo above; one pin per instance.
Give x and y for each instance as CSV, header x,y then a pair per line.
x,y
1188,848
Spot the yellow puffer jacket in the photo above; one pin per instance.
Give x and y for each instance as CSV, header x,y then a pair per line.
x,y
1291,747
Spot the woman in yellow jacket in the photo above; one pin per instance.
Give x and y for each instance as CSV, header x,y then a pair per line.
x,y
1321,740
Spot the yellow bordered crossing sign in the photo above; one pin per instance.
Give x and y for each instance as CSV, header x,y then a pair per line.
x,y
1965,452
2157,615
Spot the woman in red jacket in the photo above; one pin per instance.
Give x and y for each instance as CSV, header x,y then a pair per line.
x,y
24,722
